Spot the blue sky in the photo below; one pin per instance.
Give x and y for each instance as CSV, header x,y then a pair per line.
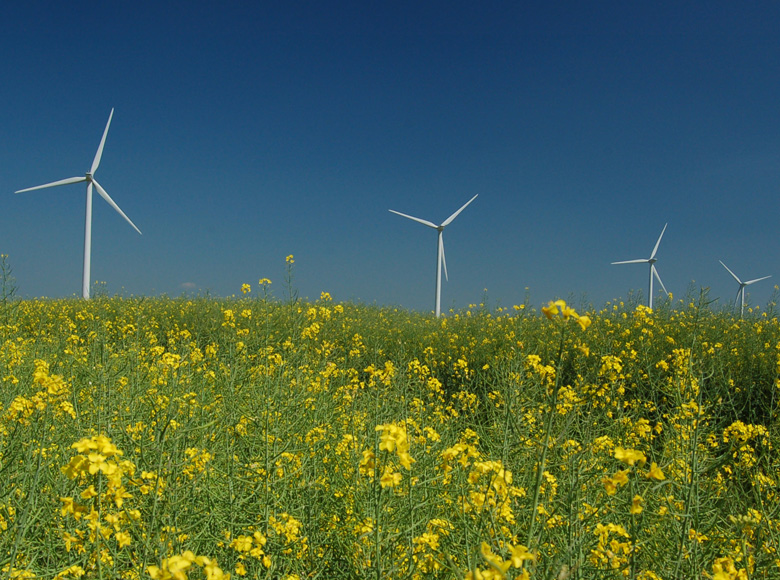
x,y
244,132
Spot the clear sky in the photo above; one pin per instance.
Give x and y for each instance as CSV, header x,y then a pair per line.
x,y
247,131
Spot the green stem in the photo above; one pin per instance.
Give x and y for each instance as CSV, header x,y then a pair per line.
x,y
547,436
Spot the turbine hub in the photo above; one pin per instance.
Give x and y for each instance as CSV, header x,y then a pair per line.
x,y
89,176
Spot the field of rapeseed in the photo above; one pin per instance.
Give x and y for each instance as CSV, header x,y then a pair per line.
x,y
201,438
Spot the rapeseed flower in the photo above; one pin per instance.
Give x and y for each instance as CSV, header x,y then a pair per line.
x,y
566,312
630,456
552,308
390,478
520,554
636,505
176,567
656,472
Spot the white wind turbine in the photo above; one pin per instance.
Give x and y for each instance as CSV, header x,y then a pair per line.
x,y
440,259
653,272
90,179
741,291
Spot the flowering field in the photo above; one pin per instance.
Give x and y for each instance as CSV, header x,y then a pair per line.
x,y
173,438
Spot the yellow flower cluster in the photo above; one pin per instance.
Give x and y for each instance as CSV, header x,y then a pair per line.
x,y
176,567
101,457
101,504
52,394
566,312
250,546
498,567
394,438
312,439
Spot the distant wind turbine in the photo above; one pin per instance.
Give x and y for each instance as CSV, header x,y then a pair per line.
x,y
90,179
653,272
741,291
440,259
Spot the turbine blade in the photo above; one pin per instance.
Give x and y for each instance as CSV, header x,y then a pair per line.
x,y
756,280
423,222
99,154
110,201
732,273
448,221
631,262
657,277
443,259
658,243
54,183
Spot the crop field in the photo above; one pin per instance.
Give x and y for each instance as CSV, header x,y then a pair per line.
x,y
278,438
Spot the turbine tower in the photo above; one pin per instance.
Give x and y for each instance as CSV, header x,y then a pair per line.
x,y
90,179
741,291
653,272
440,259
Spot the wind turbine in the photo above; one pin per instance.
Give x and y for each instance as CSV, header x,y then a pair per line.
x,y
653,272
741,291
90,179
440,259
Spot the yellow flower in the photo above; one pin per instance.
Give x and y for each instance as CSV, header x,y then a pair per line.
x,y
246,288
176,567
75,571
264,282
89,492
213,572
566,311
390,478
655,472
630,456
550,310
724,569
289,259
621,477
636,505
559,306
584,322
241,544
496,562
97,462
99,443
394,438
519,554
77,466
84,445
611,483
367,464
123,539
